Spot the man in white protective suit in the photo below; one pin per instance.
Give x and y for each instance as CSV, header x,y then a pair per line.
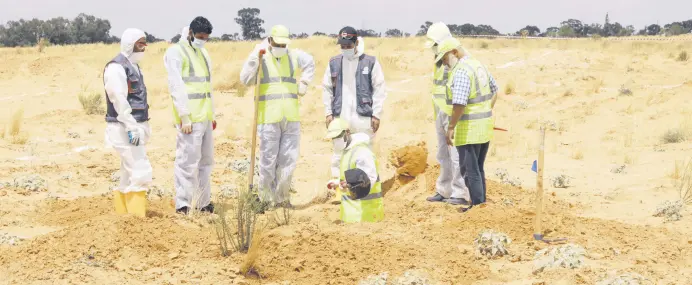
x,y
127,127
353,90
189,80
278,111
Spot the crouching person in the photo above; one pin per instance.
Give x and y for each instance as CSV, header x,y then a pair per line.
x,y
361,189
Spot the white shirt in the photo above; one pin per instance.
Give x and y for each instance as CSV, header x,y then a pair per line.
x,y
305,62
173,61
364,158
115,84
348,106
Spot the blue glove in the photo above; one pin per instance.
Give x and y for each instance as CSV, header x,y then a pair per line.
x,y
134,137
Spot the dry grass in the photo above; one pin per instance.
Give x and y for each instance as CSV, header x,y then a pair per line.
x,y
249,267
92,103
684,183
15,134
509,88
596,86
682,56
677,170
568,93
628,159
238,232
484,45
627,142
673,136
578,154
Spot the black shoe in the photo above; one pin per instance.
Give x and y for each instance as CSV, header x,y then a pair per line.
x,y
183,210
458,201
436,198
208,208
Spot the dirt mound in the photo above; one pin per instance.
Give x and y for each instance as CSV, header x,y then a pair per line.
x,y
410,160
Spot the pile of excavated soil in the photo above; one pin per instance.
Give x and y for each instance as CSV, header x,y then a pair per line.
x,y
410,160
96,246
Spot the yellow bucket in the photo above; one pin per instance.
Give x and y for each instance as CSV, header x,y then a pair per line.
x,y
137,203
119,203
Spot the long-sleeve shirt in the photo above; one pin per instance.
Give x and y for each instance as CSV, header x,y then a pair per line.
x,y
364,159
173,61
348,106
305,62
115,84
461,85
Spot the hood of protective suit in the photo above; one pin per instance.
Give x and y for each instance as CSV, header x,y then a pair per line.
x,y
128,40
184,33
360,49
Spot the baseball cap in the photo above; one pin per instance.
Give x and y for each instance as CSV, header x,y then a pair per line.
x,y
280,35
359,183
347,35
336,127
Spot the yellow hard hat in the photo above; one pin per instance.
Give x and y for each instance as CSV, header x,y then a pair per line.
x,y
437,33
336,127
280,35
446,46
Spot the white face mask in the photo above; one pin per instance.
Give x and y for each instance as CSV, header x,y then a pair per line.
x,y
349,53
339,144
136,57
278,52
452,60
198,43
434,49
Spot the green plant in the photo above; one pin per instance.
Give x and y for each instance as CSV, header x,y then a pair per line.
x,y
236,233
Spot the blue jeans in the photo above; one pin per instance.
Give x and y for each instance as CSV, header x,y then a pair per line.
x,y
471,161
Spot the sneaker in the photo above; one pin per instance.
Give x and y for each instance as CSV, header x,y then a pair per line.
x,y
183,210
436,198
458,201
208,208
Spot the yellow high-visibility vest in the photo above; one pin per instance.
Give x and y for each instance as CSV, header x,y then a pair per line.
x,y
476,124
440,90
197,77
369,208
278,90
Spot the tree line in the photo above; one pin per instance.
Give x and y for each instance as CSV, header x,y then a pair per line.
x,y
85,29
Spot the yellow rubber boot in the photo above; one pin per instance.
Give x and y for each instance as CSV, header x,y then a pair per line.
x,y
336,200
119,202
137,203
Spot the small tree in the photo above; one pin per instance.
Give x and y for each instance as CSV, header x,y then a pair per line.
x,y
318,34
394,33
424,28
250,23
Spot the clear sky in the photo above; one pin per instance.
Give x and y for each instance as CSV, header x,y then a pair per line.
x,y
165,18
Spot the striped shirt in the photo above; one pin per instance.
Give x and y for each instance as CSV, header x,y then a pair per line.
x,y
461,85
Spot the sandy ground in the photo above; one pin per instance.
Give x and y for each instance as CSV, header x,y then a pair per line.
x,y
608,142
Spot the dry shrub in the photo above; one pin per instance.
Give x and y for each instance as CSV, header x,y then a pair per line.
x,y
578,154
596,87
509,88
568,93
237,232
673,136
42,44
676,171
684,184
249,267
92,103
16,122
682,56
484,45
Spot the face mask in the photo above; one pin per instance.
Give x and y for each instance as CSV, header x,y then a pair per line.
x,y
198,43
349,53
339,144
278,52
136,57
434,49
452,60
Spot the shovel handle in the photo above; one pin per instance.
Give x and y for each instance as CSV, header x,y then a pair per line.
x,y
251,172
537,225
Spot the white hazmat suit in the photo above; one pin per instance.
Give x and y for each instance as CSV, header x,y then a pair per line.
x,y
357,123
279,142
135,168
194,156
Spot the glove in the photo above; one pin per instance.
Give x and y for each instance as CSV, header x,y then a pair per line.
x,y
135,135
213,125
186,125
333,184
302,88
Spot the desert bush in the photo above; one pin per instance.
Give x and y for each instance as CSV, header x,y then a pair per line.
x,y
92,103
673,136
237,232
684,184
509,88
484,45
16,122
682,56
42,44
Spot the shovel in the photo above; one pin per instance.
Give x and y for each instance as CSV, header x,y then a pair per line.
x,y
251,173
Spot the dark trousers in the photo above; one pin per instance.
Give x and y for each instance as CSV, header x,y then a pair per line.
x,y
471,161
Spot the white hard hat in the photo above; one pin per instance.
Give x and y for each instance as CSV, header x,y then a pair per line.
x,y
437,33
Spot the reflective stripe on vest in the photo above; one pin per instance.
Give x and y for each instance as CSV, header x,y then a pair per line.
x,y
196,74
278,91
369,208
476,124
439,90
